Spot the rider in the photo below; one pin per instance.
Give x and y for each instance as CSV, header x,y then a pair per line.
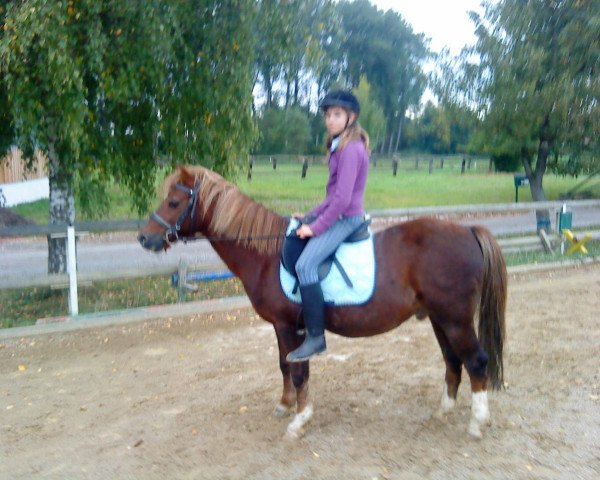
x,y
342,211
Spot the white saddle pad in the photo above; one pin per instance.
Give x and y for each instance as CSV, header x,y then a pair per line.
x,y
358,261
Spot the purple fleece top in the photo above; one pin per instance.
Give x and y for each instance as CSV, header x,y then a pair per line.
x,y
348,170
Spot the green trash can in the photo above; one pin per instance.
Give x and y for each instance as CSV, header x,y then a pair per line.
x,y
564,219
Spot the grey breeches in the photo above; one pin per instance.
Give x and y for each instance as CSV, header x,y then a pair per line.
x,y
320,247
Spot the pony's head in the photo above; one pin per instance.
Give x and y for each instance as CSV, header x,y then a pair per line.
x,y
176,216
198,200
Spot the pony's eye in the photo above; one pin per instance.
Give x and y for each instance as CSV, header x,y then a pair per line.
x,y
173,204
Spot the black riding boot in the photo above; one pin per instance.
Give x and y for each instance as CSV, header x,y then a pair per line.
x,y
313,311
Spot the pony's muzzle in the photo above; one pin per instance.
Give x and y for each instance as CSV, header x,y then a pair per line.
x,y
151,242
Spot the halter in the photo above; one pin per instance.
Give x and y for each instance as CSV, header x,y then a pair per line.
x,y
172,231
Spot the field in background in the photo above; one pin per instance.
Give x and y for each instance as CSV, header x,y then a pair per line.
x,y
284,191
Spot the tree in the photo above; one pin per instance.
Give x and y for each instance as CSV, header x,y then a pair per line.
x,y
533,79
372,117
433,127
383,47
105,88
284,130
273,41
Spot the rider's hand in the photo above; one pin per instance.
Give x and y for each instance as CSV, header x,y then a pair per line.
x,y
305,231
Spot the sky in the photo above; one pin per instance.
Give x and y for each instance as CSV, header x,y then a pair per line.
x,y
446,22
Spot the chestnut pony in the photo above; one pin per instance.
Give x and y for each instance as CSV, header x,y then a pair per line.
x,y
425,267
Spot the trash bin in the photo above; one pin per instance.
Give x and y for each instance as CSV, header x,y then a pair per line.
x,y
520,181
564,219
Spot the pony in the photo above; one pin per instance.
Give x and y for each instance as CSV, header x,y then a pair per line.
x,y
425,268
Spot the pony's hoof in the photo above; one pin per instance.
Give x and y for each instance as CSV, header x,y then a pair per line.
x,y
295,429
440,415
280,411
293,434
475,431
475,427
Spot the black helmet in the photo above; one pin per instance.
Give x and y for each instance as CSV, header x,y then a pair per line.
x,y
340,98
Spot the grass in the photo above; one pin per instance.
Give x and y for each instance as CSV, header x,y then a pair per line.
x,y
284,191
21,307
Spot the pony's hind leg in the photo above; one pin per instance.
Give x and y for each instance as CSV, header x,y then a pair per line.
x,y
453,372
480,412
464,343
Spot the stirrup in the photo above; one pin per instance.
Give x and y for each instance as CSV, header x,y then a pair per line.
x,y
310,347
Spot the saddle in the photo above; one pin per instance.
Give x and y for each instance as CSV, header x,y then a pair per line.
x,y
294,245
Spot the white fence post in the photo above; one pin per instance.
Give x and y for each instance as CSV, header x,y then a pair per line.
x,y
72,271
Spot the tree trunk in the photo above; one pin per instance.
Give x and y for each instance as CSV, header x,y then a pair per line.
x,y
399,134
62,211
536,176
382,144
296,88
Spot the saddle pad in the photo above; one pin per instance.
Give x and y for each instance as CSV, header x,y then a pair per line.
x,y
358,260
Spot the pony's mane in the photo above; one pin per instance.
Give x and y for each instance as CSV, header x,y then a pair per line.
x,y
235,215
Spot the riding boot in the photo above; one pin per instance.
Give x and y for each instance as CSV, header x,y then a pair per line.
x,y
313,311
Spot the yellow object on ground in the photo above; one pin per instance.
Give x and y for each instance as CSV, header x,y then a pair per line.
x,y
577,244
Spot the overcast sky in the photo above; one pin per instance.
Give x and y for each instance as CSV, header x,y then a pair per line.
x,y
446,22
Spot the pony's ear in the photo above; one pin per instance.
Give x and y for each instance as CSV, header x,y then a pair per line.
x,y
186,177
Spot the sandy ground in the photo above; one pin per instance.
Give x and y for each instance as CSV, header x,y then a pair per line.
x,y
188,398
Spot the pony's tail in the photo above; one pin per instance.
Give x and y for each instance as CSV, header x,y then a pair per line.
x,y
492,306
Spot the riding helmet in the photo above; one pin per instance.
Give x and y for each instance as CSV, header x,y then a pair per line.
x,y
341,98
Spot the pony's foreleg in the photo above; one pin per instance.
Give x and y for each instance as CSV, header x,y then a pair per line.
x,y
285,335
453,372
295,383
304,409
288,397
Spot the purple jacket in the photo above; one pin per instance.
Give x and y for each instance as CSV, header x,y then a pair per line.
x,y
348,170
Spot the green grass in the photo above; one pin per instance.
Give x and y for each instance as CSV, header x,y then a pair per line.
x,y
285,192
539,257
21,307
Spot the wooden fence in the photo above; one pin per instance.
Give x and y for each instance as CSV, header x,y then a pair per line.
x,y
13,167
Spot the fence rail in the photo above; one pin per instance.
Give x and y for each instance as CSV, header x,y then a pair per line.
x,y
401,213
526,243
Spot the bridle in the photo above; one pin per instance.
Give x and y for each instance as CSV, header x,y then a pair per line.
x,y
172,232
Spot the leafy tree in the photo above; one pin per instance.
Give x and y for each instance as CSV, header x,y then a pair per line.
x,y
434,129
284,130
372,117
382,46
105,88
533,79
273,41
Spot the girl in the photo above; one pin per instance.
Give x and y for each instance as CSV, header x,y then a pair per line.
x,y
342,211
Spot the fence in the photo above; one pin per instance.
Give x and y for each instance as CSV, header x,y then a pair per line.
x,y
26,280
13,167
398,162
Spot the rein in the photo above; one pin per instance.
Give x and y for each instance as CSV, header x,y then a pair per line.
x,y
173,232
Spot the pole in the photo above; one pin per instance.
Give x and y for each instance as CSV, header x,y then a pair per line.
x,y
72,270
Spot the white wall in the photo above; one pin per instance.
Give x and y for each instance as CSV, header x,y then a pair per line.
x,y
24,192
